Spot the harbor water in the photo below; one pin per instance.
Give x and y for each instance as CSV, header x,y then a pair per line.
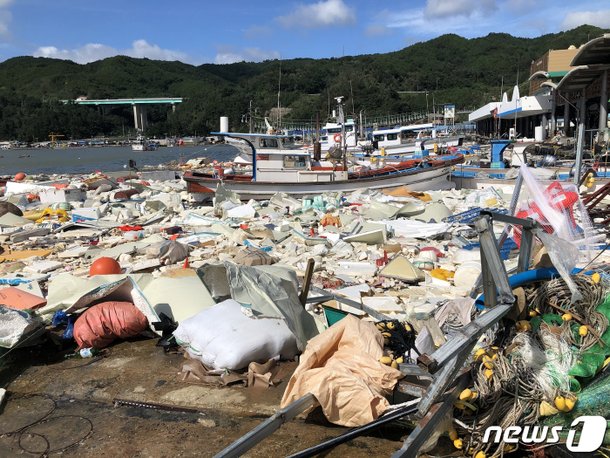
x,y
106,159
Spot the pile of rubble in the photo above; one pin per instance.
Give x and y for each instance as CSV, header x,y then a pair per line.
x,y
239,286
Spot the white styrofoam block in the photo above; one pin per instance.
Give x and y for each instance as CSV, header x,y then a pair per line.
x,y
53,195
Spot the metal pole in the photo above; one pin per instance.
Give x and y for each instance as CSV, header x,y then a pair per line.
x,y
265,429
307,281
250,115
580,139
603,106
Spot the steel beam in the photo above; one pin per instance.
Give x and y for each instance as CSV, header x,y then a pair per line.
x,y
268,427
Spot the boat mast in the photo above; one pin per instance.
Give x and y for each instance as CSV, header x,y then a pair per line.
x,y
341,120
279,92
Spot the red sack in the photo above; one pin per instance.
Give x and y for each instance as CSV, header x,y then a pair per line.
x,y
101,324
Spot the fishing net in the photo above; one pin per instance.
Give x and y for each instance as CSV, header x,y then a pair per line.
x,y
537,367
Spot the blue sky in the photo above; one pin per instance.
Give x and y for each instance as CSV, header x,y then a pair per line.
x,y
208,31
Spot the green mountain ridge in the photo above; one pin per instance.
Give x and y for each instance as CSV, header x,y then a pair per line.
x,y
453,69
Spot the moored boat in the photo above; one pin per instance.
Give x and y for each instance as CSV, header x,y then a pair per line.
x,y
142,144
414,138
293,171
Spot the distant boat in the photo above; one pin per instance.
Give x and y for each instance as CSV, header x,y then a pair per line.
x,y
143,144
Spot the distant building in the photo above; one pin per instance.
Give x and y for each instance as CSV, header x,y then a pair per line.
x,y
552,66
562,84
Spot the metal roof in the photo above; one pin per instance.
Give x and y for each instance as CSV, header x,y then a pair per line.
x,y
581,77
539,74
596,51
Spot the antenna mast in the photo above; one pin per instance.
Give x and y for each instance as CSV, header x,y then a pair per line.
x,y
279,92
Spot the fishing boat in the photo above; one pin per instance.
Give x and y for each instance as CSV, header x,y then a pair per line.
x,y
278,166
142,144
414,138
337,135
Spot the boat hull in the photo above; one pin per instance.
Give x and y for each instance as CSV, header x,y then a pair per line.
x,y
435,177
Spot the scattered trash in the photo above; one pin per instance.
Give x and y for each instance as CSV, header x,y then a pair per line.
x,y
384,295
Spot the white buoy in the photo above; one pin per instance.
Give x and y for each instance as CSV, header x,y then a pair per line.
x,y
224,124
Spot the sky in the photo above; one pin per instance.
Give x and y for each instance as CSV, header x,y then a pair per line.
x,y
211,31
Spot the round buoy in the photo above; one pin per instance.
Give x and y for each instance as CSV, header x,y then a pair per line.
x,y
104,266
20,176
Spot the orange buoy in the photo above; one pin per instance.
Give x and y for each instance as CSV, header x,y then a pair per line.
x,y
104,266
19,176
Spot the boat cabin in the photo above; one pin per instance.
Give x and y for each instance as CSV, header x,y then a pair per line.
x,y
388,138
262,142
278,159
332,132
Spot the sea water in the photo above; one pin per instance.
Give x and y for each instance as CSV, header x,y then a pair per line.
x,y
107,158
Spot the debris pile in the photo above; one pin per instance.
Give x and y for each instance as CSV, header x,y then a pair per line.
x,y
371,289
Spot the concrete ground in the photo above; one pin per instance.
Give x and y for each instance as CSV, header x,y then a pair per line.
x,y
80,395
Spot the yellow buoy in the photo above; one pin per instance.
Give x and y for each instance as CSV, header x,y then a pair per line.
x,y
560,403
466,394
570,403
479,354
480,454
458,443
583,331
546,409
566,316
385,360
596,277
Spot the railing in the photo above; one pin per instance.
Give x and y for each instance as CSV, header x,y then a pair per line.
x,y
369,122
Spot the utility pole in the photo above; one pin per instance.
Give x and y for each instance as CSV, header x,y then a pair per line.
x,y
279,92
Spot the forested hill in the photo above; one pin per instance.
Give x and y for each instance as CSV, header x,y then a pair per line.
x,y
467,72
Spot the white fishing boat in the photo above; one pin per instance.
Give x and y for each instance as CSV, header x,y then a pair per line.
x,y
143,144
246,143
285,168
337,135
414,138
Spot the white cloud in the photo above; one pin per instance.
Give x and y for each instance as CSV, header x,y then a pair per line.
x,y
227,55
599,18
451,8
321,14
141,48
96,51
5,3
